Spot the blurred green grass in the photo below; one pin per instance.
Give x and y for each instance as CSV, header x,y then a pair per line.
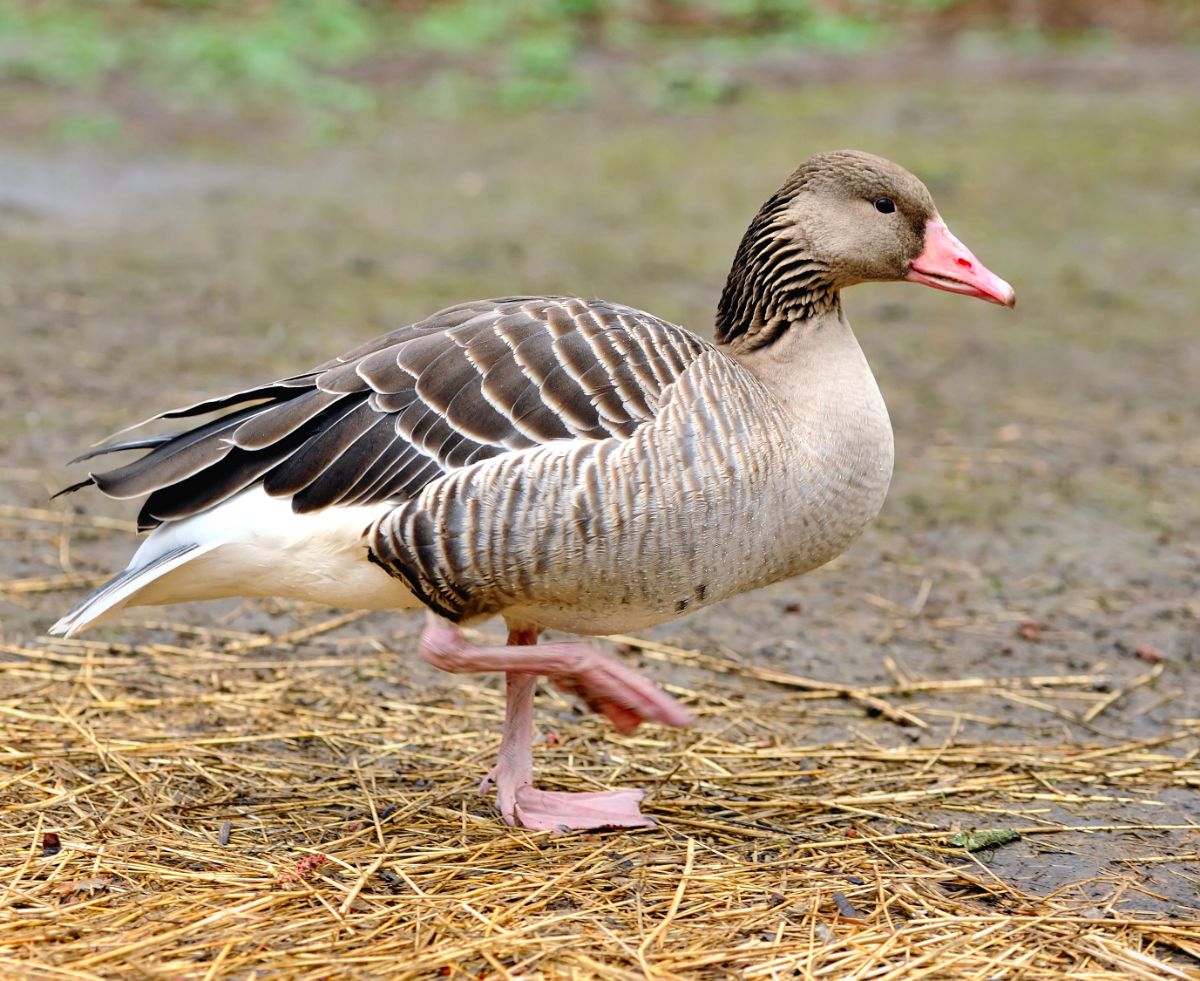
x,y
328,60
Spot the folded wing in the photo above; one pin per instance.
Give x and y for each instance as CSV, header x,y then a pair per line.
x,y
379,423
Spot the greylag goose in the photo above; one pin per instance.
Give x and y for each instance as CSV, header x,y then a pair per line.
x,y
564,463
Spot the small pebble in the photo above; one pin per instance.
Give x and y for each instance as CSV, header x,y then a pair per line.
x,y
845,907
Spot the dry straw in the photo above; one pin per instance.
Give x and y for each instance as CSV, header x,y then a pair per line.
x,y
217,803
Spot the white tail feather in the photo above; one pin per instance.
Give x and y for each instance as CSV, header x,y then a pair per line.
x,y
251,545
110,599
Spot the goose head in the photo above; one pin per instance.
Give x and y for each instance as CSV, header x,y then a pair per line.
x,y
840,219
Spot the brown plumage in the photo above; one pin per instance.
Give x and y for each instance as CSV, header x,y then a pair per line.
x,y
382,421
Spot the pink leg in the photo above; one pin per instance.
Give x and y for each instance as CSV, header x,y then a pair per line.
x,y
603,682
590,673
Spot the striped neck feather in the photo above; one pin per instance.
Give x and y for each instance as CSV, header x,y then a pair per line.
x,y
774,282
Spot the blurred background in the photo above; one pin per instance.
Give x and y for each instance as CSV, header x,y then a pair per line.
x,y
197,195
131,62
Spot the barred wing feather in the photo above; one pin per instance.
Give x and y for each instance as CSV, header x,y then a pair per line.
x,y
379,423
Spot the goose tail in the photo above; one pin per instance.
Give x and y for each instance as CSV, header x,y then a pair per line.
x,y
112,597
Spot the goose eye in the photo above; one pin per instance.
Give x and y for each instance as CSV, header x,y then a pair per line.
x,y
885,206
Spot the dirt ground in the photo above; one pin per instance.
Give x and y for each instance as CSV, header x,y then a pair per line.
x,y
1044,521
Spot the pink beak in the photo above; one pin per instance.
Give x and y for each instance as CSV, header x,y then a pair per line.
x,y
947,264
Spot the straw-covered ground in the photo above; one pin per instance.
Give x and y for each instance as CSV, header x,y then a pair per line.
x,y
221,803
970,748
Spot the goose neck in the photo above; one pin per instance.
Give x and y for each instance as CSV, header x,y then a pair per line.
x,y
775,284
808,361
